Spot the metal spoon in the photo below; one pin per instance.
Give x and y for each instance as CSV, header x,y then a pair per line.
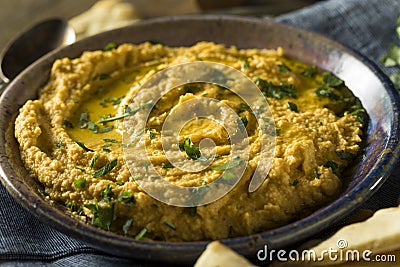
x,y
31,45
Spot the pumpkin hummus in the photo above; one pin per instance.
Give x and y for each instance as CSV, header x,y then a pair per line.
x,y
70,141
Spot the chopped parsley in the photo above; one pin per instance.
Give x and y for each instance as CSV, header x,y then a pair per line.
x,y
283,68
102,216
110,46
84,120
170,225
245,63
331,164
68,124
276,91
82,145
110,140
327,92
93,127
228,178
80,183
79,168
127,198
59,144
167,165
107,193
316,174
126,226
243,107
106,129
309,72
141,234
293,107
198,194
116,117
295,182
152,135
93,160
228,165
105,169
191,150
330,79
242,123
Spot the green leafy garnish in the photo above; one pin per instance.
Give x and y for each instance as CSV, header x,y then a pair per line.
x,y
126,226
102,216
316,174
170,225
228,165
107,193
243,107
104,76
106,129
327,92
191,150
68,124
127,198
330,79
110,46
110,140
167,165
59,144
276,91
141,234
395,78
310,72
392,58
283,68
228,178
105,169
331,164
245,63
93,160
152,135
242,123
93,127
82,145
80,183
117,117
84,120
295,182
198,194
293,107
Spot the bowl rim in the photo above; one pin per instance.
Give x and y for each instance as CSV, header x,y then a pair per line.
x,y
281,236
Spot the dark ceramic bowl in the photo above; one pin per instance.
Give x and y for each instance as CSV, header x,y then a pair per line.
x,y
367,82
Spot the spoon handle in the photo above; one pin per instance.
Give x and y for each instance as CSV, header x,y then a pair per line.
x,y
3,86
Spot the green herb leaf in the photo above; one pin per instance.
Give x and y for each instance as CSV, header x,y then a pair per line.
x,y
331,80
82,145
243,107
168,165
392,58
106,129
327,92
198,194
276,91
102,216
228,165
395,78
228,178
68,124
242,123
79,168
293,107
245,63
310,72
105,169
104,76
128,198
295,182
59,144
141,234
117,117
331,164
93,127
110,46
191,150
283,68
170,225
84,120
110,140
126,226
317,174
80,183
93,161
152,135
107,193
119,183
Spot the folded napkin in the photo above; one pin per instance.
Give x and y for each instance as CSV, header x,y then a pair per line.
x,y
367,26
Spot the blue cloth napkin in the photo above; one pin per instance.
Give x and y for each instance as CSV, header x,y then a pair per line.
x,y
367,26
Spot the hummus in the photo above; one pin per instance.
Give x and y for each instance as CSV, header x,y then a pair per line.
x,y
70,141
